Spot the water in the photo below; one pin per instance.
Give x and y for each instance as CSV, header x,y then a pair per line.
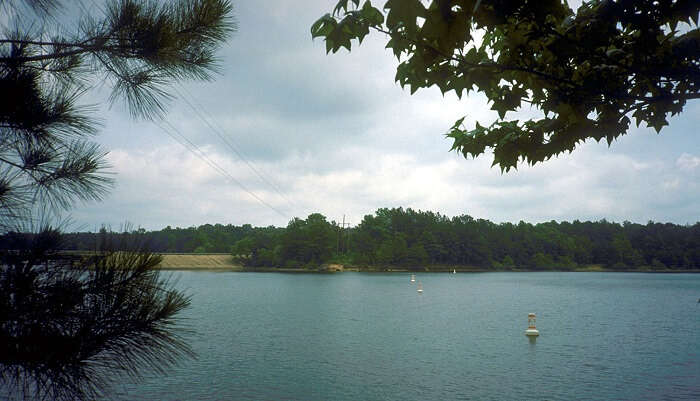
x,y
355,336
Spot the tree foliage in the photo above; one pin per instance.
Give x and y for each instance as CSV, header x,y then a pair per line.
x,y
137,47
590,72
398,237
303,243
70,327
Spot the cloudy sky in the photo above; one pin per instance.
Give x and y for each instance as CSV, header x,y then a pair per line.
x,y
292,131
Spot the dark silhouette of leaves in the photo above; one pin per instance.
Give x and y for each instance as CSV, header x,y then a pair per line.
x,y
589,72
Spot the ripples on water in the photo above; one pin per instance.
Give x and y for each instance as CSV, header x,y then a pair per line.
x,y
355,336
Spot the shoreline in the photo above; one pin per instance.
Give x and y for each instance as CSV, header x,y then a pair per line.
x,y
223,262
243,269
304,271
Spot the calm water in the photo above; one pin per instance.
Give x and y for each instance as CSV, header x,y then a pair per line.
x,y
356,336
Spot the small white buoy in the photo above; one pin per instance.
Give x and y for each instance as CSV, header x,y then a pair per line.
x,y
420,288
531,330
413,278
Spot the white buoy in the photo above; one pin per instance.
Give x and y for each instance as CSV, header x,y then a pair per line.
x,y
531,330
413,278
420,288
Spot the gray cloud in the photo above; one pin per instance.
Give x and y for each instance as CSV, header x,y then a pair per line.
x,y
336,135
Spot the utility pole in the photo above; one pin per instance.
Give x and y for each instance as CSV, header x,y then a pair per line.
x,y
337,247
341,230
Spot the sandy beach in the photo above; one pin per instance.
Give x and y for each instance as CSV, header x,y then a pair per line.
x,y
206,261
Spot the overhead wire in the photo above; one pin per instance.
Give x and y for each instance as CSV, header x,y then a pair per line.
x,y
182,140
197,151
220,132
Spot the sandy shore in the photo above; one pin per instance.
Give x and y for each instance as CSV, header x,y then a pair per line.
x,y
224,262
203,261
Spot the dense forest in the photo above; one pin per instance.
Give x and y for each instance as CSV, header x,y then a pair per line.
x,y
416,239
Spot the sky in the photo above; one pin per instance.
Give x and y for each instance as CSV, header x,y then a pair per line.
x,y
294,131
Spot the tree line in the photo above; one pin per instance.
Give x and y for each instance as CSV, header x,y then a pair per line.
x,y
417,239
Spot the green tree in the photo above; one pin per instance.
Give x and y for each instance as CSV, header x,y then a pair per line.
x,y
433,248
508,262
68,328
259,248
416,256
242,247
309,241
625,255
368,236
587,71
393,251
320,238
541,261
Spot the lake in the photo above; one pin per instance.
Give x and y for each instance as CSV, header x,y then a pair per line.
x,y
370,336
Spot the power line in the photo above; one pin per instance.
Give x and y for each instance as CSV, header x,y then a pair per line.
x,y
189,145
220,132
199,110
194,149
197,151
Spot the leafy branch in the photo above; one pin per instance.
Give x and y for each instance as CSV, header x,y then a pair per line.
x,y
589,72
